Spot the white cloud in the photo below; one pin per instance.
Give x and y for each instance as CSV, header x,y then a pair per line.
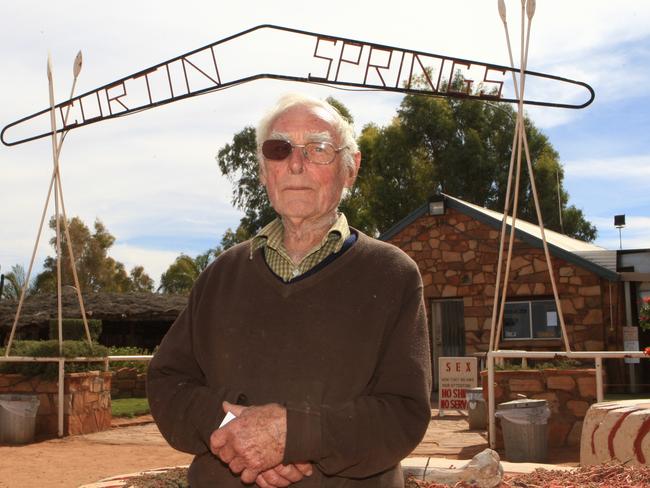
x,y
631,169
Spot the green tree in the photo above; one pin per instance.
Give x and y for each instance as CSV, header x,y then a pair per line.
x,y
183,272
341,109
394,179
238,162
180,275
97,271
13,284
140,280
462,148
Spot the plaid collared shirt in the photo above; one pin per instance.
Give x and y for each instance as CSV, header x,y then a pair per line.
x,y
276,256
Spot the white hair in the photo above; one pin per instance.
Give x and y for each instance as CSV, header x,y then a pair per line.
x,y
343,128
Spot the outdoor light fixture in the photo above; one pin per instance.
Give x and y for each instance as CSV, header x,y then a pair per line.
x,y
619,223
437,205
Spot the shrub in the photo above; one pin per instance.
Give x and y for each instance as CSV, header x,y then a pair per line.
x,y
173,478
73,329
140,366
71,349
557,363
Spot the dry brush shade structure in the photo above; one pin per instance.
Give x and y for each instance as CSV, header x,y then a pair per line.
x,y
127,318
138,318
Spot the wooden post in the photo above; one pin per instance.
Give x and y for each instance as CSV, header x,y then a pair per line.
x,y
61,395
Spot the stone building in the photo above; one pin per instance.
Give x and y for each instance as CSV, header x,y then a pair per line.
x,y
455,245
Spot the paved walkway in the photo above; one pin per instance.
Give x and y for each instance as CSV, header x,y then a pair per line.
x,y
450,437
447,443
447,437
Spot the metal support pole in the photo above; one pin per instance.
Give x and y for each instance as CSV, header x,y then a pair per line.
x,y
491,401
634,387
599,380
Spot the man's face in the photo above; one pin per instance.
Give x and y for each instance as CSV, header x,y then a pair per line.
x,y
297,188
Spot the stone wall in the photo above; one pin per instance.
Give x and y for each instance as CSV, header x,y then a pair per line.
x,y
568,392
128,383
457,256
87,401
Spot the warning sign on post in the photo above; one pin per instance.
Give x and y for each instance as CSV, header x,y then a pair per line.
x,y
454,376
631,343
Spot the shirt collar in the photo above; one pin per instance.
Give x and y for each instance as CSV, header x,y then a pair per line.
x,y
272,235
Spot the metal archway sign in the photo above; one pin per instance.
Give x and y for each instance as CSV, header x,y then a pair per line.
x,y
283,53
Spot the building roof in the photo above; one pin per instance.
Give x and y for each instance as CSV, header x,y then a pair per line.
x,y
597,259
143,307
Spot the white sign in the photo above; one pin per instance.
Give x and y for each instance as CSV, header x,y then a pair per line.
x,y
551,319
454,376
631,343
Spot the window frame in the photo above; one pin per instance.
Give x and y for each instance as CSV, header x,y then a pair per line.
x,y
531,328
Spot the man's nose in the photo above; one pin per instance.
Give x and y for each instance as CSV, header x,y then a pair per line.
x,y
297,160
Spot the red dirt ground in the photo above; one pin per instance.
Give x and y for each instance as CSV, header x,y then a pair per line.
x,y
78,460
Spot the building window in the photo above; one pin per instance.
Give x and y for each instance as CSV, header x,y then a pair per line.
x,y
534,319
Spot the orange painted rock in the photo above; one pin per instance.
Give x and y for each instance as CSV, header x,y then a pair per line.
x,y
616,431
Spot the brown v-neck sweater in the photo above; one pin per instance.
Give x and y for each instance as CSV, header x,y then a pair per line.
x,y
345,350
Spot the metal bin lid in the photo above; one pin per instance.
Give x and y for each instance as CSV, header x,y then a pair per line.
x,y
521,403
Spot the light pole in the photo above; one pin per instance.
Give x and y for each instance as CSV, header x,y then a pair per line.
x,y
619,223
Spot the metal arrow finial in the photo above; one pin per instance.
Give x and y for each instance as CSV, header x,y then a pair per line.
x,y
78,61
49,67
530,9
502,10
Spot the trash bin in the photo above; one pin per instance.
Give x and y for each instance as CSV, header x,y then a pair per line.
x,y
476,408
524,426
17,418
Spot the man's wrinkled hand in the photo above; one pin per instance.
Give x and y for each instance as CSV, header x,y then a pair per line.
x,y
283,475
253,442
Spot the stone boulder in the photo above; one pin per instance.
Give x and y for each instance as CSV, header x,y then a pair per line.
x,y
616,431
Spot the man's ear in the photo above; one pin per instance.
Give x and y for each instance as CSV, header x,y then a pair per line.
x,y
354,171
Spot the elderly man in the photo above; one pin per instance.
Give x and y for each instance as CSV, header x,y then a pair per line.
x,y
312,334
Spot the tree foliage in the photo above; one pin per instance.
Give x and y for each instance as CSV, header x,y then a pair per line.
x,y
238,162
461,148
183,272
13,283
97,271
140,280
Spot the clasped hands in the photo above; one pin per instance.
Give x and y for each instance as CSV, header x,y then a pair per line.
x,y
253,446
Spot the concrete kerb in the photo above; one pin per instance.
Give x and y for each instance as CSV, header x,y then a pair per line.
x,y
416,467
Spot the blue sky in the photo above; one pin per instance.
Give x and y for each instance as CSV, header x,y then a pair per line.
x,y
152,178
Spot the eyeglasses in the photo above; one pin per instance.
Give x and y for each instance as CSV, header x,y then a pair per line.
x,y
314,152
